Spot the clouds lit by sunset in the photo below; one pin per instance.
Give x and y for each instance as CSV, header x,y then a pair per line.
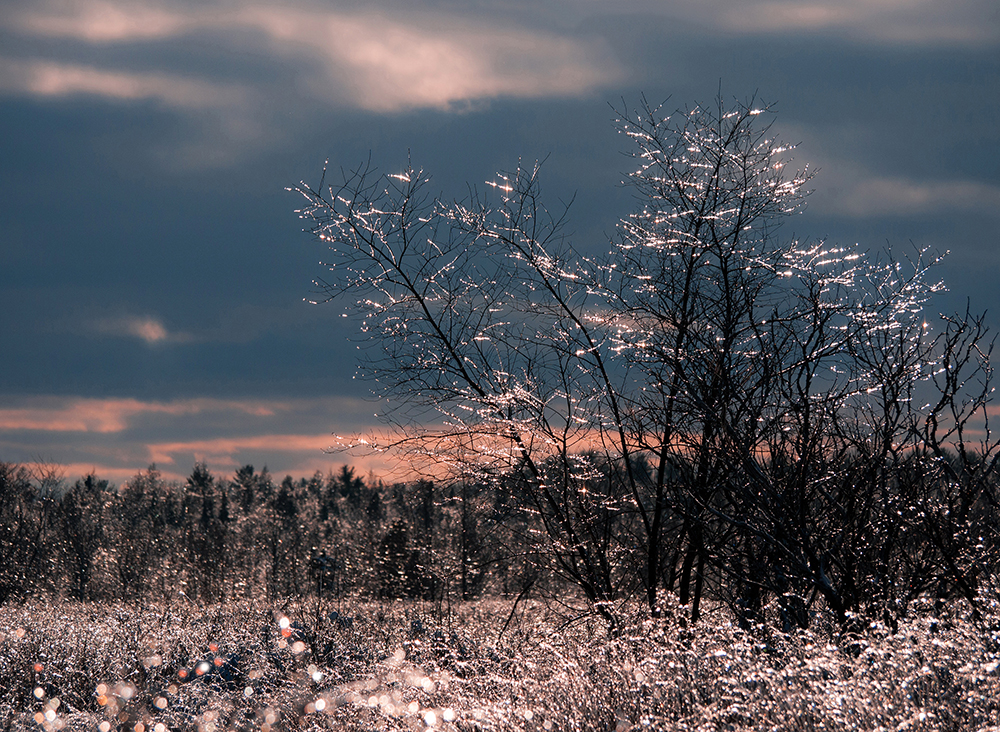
x,y
154,274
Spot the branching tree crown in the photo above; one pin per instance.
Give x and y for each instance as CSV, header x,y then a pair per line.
x,y
712,407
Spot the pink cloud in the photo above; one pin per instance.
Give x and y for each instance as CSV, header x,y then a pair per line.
x,y
378,58
102,21
223,449
146,328
51,79
902,197
115,438
295,455
904,21
56,414
392,61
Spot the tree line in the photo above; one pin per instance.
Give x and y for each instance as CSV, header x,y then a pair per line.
x,y
930,531
213,538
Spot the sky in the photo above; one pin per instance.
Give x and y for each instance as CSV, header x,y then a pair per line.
x,y
154,275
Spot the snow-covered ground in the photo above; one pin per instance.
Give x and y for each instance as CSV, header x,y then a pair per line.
x,y
317,665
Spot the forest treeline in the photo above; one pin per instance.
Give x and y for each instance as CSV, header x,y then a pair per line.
x,y
213,538
926,527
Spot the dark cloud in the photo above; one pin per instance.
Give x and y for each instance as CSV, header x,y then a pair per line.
x,y
149,251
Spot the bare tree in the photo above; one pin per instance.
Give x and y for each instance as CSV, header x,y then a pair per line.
x,y
678,413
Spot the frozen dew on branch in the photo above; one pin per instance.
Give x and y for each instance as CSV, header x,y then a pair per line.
x,y
502,185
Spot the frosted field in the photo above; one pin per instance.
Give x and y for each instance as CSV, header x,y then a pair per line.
x,y
365,666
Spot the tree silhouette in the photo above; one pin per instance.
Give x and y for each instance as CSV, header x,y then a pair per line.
x,y
729,405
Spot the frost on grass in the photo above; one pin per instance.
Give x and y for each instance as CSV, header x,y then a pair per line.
x,y
301,667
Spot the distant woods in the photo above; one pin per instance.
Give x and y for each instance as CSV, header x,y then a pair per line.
x,y
212,538
931,533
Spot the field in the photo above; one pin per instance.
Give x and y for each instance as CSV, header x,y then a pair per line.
x,y
313,665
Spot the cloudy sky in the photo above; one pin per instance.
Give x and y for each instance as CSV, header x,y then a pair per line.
x,y
153,271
